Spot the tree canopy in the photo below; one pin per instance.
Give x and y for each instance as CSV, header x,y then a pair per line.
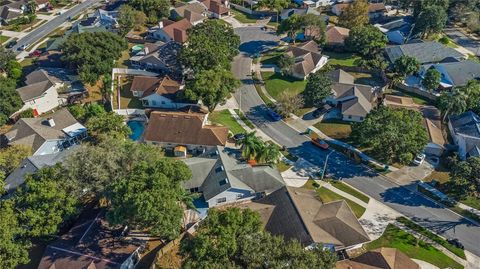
x,y
253,148
406,65
431,80
110,124
356,14
212,87
460,99
10,101
368,41
10,158
274,5
432,19
465,175
234,238
394,135
319,87
288,103
154,9
93,54
210,44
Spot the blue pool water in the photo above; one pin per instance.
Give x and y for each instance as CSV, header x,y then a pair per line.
x,y
137,129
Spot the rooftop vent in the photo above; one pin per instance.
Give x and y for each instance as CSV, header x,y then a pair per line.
x,y
50,122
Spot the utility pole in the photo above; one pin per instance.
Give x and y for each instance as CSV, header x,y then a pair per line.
x,y
325,165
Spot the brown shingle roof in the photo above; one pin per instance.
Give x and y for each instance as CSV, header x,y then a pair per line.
x,y
336,34
149,85
387,258
177,30
184,128
215,6
307,56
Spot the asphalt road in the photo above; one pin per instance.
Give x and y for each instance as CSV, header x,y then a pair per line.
x,y
48,27
411,204
463,40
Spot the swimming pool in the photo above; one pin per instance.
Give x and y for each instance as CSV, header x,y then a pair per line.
x,y
137,129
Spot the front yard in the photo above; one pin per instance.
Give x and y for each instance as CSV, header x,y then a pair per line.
x,y
275,84
393,237
243,17
223,117
336,129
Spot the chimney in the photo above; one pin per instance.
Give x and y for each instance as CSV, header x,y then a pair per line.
x,y
187,14
160,24
50,122
179,35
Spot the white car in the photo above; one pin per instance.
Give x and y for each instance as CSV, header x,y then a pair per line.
x,y
419,159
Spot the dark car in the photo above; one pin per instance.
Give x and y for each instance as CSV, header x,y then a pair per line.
x,y
239,137
274,115
317,113
11,44
456,243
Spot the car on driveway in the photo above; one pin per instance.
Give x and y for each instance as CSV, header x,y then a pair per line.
x,y
239,136
35,53
419,159
456,243
320,143
274,115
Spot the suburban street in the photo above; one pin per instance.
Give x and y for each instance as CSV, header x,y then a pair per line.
x,y
413,205
463,40
48,27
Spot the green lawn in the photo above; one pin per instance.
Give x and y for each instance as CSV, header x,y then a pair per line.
x,y
471,201
243,17
127,100
335,129
344,187
271,58
410,224
244,119
325,195
393,237
275,84
282,166
367,79
342,58
3,39
223,117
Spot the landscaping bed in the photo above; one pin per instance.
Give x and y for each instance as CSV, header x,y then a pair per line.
x,y
325,195
393,237
223,117
275,84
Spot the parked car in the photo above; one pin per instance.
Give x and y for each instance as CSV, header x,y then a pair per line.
x,y
456,243
274,115
419,159
23,47
11,44
239,136
320,143
35,53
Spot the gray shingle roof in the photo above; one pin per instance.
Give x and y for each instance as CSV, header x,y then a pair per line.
x,y
467,123
459,72
424,52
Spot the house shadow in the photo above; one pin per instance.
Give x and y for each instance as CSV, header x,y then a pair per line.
x,y
404,196
439,226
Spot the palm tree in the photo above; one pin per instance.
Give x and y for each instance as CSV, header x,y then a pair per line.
x,y
250,145
453,103
269,153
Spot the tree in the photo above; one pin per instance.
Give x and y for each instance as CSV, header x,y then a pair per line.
x,y
154,9
93,54
315,27
126,19
355,15
10,159
250,145
466,177
5,57
452,103
275,5
210,44
285,64
149,197
14,69
406,65
45,201
368,41
431,20
13,248
394,135
77,111
269,153
472,91
431,80
94,110
319,87
289,103
10,101
212,87
140,20
110,124
291,26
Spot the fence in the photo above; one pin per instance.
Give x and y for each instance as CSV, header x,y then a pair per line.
x,y
166,249
417,91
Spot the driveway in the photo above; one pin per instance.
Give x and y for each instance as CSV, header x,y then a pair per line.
x,y
463,40
408,175
422,210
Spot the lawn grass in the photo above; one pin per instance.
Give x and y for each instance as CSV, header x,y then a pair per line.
x,y
440,176
3,39
303,111
282,166
344,187
262,95
410,224
275,84
335,129
244,119
342,58
22,27
367,79
127,100
223,117
288,155
393,237
243,17
325,195
271,58
471,201
417,99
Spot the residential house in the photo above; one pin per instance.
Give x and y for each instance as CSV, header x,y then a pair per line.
x,y
194,12
10,10
188,129
354,100
161,58
375,10
398,31
222,179
93,243
308,59
335,36
54,43
31,165
425,52
315,3
453,74
158,92
171,31
40,92
288,12
48,134
41,4
107,19
381,258
465,132
297,213
217,8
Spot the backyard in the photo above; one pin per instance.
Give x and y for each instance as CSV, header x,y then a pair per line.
x,y
223,117
417,99
276,83
367,79
393,237
342,58
127,100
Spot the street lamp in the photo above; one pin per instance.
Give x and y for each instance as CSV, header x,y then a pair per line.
x,y
325,165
